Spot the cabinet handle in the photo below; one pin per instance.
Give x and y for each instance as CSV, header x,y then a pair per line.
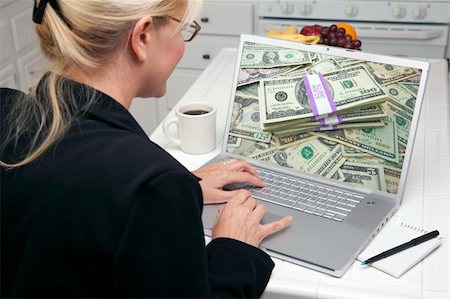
x,y
206,56
204,20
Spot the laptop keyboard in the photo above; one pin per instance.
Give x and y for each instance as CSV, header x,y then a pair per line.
x,y
289,191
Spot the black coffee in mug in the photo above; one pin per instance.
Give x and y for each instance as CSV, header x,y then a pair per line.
x,y
196,112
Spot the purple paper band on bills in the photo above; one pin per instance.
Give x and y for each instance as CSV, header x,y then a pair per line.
x,y
319,95
327,128
332,119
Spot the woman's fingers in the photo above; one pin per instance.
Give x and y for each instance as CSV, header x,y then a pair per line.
x,y
240,219
276,226
243,177
273,227
239,197
259,212
215,176
240,165
250,203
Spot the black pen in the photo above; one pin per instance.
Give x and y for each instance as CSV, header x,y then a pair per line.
x,y
402,247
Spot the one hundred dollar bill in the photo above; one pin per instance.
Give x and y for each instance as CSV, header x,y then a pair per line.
x,y
234,141
248,91
323,66
338,59
350,62
338,175
401,118
245,120
365,113
377,161
349,125
249,148
371,176
412,80
411,88
397,93
286,98
251,75
261,56
380,142
392,176
313,156
298,71
291,140
351,152
386,73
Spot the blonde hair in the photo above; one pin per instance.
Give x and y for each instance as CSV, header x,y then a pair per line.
x,y
87,36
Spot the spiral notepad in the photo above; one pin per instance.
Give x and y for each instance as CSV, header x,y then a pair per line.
x,y
396,265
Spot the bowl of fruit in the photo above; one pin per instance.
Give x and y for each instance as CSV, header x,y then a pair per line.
x,y
337,35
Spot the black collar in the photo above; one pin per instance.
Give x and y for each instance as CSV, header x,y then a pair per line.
x,y
104,107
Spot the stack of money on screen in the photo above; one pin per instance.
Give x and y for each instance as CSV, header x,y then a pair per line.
x,y
332,116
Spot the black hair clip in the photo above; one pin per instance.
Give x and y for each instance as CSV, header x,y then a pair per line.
x,y
39,10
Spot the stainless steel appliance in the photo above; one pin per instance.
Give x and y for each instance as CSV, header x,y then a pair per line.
x,y
404,28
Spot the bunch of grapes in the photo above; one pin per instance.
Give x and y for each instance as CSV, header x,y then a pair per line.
x,y
337,37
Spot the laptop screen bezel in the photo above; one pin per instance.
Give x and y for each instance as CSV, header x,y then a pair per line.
x,y
417,63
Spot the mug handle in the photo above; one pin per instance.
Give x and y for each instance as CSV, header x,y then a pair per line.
x,y
166,125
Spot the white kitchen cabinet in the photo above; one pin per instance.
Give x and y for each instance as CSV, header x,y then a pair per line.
x,y
21,59
145,111
31,66
222,21
182,79
8,76
6,45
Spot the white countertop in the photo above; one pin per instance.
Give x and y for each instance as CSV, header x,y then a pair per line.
x,y
426,202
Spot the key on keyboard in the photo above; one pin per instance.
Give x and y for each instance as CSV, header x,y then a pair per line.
x,y
292,192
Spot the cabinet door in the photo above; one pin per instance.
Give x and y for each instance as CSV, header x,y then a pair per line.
x,y
7,77
145,111
6,45
203,49
23,29
5,2
227,18
31,66
177,85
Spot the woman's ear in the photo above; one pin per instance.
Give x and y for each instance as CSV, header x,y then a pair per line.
x,y
140,38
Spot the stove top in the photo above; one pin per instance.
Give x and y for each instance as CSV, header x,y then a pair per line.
x,y
397,11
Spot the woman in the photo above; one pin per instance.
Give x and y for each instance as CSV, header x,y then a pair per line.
x,y
92,208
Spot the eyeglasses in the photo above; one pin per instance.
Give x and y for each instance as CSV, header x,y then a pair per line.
x,y
189,31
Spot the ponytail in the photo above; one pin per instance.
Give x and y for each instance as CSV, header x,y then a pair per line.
x,y
79,35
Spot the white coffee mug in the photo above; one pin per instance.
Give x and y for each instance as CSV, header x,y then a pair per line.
x,y
196,127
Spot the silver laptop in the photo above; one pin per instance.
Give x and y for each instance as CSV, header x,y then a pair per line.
x,y
331,132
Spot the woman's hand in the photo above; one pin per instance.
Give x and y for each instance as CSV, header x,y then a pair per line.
x,y
240,219
216,176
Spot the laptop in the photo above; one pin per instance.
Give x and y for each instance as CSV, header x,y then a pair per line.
x,y
331,132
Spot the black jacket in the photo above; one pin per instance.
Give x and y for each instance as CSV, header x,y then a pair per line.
x,y
108,213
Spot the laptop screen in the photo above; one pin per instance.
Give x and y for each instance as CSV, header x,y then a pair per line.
x,y
345,115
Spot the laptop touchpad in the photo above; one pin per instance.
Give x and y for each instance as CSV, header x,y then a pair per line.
x,y
270,217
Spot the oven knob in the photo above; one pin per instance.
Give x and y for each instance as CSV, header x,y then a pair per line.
x,y
287,7
305,8
398,12
351,11
419,13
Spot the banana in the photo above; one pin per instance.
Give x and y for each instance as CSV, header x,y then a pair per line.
x,y
288,36
313,39
273,31
291,33
291,29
